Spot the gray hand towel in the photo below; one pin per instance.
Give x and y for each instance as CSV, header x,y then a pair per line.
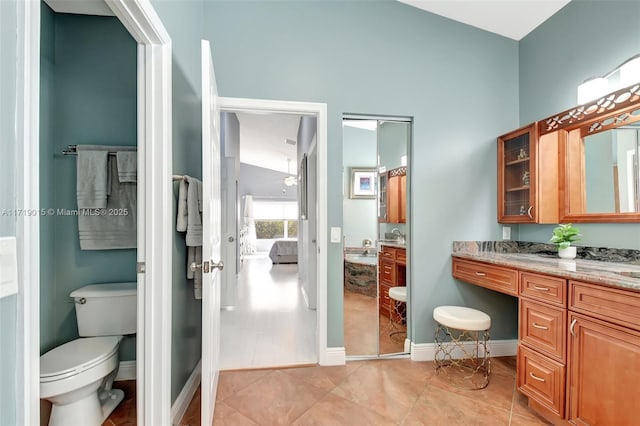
x,y
181,220
91,177
194,217
113,227
127,166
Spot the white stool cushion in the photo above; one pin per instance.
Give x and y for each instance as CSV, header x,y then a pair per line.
x,y
462,318
398,293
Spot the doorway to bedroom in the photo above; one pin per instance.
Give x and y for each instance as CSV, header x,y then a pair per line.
x,y
268,317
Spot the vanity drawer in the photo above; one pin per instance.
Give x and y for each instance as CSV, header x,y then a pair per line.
x,y
496,278
543,328
610,304
388,253
387,272
384,301
542,379
401,256
544,288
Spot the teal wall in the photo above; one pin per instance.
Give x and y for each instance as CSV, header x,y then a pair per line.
x,y
586,38
183,20
88,91
8,143
359,217
459,83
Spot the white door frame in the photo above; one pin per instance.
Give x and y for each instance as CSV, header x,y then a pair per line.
x,y
320,111
154,210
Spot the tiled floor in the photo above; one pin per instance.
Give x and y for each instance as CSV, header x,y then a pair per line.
x,y
270,325
379,392
363,327
125,412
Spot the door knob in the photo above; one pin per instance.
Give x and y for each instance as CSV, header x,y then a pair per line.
x,y
207,266
231,239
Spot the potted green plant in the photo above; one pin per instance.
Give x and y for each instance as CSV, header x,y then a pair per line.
x,y
563,235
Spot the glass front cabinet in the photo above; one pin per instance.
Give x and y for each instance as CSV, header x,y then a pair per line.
x,y
527,176
516,176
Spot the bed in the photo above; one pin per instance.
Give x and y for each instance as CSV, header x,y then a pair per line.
x,y
284,251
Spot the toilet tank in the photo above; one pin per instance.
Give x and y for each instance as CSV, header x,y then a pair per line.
x,y
108,309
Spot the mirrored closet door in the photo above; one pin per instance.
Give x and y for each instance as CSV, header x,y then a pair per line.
x,y
376,234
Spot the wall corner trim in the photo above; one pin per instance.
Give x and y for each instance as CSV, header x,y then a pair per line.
x,y
185,396
427,351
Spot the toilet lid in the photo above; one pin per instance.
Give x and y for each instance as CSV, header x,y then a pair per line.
x,y
76,356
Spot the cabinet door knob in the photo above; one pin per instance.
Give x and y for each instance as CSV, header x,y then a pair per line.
x,y
534,377
480,274
541,327
529,212
571,327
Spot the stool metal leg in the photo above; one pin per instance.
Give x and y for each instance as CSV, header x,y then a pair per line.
x,y
463,356
400,310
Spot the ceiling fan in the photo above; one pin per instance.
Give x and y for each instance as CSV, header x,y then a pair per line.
x,y
290,180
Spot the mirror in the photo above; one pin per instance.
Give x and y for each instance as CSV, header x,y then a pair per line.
x,y
376,232
612,176
599,155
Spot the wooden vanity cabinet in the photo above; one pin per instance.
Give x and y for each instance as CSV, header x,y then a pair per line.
x,y
528,176
542,348
604,355
391,273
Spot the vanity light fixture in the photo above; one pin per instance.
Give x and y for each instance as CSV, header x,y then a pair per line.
x,y
630,71
596,87
592,89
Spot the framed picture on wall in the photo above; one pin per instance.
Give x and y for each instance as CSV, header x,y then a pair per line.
x,y
362,183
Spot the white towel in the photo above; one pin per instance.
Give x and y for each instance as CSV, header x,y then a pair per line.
x,y
91,177
127,166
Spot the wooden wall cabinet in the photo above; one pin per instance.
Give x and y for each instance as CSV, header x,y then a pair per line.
x,y
392,272
528,176
392,196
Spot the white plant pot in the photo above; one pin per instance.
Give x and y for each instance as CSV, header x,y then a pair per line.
x,y
567,253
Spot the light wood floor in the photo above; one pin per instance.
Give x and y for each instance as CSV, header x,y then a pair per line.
x,y
271,325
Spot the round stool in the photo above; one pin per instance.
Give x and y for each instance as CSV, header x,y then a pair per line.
x,y
461,341
397,309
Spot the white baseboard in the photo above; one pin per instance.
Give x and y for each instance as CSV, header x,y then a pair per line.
x,y
427,351
334,356
126,371
185,396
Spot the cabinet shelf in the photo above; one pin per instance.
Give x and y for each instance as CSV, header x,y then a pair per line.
x,y
519,188
514,162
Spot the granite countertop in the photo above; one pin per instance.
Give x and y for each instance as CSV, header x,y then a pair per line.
x,y
623,272
393,244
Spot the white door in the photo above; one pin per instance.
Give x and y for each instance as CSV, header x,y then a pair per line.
x,y
211,231
229,232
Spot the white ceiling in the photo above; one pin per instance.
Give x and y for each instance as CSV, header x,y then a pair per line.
x,y
510,18
263,140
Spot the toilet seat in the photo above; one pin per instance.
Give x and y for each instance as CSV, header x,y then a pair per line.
x,y
76,356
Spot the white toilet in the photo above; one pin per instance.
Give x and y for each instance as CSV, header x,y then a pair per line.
x,y
76,377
